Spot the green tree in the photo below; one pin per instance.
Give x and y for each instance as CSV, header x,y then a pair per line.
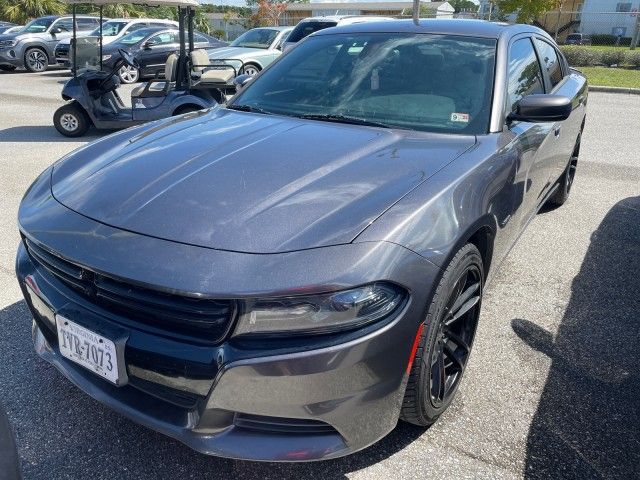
x,y
21,11
463,6
527,10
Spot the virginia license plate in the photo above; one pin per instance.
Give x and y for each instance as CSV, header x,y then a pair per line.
x,y
84,347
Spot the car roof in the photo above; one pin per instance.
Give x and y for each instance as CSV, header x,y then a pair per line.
x,y
472,28
280,29
139,20
339,18
149,30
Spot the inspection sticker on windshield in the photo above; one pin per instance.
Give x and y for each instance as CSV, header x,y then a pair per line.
x,y
460,117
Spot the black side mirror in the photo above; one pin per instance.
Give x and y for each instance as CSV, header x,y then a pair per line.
x,y
56,30
241,80
147,45
542,108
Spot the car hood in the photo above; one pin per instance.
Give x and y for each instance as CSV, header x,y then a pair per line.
x,y
237,52
249,182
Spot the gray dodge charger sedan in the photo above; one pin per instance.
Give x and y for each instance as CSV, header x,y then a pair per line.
x,y
285,276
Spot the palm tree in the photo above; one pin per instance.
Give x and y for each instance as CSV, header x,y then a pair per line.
x,y
20,11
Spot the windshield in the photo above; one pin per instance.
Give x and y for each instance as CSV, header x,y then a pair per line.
x,y
38,25
439,83
109,29
132,38
574,37
304,29
256,38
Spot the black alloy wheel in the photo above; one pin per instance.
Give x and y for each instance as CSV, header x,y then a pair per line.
x,y
445,343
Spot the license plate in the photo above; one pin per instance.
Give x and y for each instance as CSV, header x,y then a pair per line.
x,y
84,347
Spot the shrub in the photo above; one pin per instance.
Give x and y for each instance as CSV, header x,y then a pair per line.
x,y
633,58
582,56
608,39
612,57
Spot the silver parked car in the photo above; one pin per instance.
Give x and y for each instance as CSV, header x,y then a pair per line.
x,y
33,46
256,48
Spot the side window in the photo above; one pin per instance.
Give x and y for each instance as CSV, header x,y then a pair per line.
x,y
164,38
87,24
525,76
64,24
136,26
550,61
200,38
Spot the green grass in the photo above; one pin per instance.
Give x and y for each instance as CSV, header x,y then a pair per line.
x,y
612,77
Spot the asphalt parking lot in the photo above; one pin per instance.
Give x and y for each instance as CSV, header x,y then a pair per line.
x,y
551,390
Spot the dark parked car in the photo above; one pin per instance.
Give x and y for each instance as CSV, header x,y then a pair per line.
x,y
285,276
4,26
578,39
151,47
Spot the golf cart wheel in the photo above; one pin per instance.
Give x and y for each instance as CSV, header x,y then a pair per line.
x,y
250,69
7,68
186,109
36,60
128,74
71,120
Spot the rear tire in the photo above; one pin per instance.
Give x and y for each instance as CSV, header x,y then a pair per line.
x,y
446,340
36,60
565,182
71,120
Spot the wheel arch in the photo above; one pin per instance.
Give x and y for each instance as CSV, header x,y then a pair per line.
x,y
482,234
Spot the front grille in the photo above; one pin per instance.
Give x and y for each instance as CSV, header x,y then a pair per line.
x,y
289,426
201,319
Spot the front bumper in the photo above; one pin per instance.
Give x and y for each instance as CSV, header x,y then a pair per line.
x,y
11,56
317,398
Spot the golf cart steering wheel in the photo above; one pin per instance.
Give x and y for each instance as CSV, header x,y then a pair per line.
x,y
129,59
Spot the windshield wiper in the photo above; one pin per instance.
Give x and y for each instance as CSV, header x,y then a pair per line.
x,y
247,108
329,117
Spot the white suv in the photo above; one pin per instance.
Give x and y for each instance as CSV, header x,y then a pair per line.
x,y
112,30
312,24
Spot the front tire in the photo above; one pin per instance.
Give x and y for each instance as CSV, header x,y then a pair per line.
x,y
251,69
446,340
71,120
36,60
129,74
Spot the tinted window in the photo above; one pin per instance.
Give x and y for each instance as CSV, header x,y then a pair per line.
x,y
200,38
525,76
164,38
304,29
439,83
87,23
550,61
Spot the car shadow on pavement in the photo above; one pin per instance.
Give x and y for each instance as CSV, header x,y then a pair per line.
x,y
587,424
63,433
41,133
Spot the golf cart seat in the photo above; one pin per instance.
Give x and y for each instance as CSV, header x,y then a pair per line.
x,y
154,86
203,73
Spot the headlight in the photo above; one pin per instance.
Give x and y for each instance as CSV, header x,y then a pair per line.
x,y
322,313
8,43
105,57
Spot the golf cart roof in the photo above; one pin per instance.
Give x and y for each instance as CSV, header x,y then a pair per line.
x,y
148,3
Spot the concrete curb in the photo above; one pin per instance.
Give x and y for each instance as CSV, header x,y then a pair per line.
x,y
628,91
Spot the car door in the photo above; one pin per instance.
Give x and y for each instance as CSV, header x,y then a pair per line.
x,y
156,50
529,141
65,27
559,82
